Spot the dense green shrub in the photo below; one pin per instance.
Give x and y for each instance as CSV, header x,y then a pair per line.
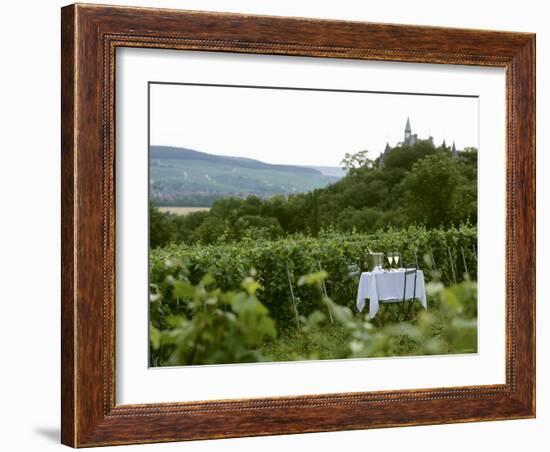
x,y
331,251
200,324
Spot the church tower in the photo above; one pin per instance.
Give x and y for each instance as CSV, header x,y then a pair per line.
x,y
454,152
410,138
407,132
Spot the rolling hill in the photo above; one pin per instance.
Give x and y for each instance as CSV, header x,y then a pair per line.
x,y
181,176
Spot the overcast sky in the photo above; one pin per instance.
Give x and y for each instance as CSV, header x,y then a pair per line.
x,y
302,127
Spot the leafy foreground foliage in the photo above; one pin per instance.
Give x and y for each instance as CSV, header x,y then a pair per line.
x,y
200,324
206,325
449,327
332,252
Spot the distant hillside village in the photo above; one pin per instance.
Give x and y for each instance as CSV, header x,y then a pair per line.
x,y
410,139
189,178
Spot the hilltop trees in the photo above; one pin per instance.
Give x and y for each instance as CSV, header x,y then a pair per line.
x,y
431,190
358,160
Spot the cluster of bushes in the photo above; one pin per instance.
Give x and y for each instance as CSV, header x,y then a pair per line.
x,y
278,263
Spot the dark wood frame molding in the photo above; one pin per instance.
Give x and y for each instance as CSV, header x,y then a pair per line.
x,y
90,35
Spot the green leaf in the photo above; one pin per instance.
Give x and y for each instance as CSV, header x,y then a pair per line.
x,y
154,336
184,290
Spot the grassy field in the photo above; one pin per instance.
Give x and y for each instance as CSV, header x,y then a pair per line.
x,y
330,342
183,210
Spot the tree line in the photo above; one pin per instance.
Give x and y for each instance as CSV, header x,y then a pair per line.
x,y
415,185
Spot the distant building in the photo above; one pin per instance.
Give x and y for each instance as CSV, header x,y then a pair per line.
x,y
454,152
411,139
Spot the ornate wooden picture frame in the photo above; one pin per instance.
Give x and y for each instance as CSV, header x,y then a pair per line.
x,y
90,37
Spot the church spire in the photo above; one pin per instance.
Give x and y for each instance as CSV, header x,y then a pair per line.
x,y
453,150
407,139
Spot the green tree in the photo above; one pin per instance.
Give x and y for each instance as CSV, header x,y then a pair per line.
x,y
404,157
212,229
161,229
357,160
185,225
431,191
257,227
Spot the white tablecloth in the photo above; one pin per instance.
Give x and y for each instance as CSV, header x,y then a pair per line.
x,y
388,286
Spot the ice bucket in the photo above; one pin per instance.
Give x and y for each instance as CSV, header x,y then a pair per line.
x,y
374,260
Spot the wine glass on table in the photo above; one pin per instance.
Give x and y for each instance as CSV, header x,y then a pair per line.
x,y
396,257
390,259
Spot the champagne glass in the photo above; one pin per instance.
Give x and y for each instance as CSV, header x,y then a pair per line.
x,y
390,259
396,257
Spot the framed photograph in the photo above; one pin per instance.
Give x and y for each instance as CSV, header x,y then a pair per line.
x,y
281,225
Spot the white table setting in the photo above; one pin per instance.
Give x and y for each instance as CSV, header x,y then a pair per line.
x,y
381,285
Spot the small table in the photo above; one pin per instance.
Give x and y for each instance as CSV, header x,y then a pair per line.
x,y
380,285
